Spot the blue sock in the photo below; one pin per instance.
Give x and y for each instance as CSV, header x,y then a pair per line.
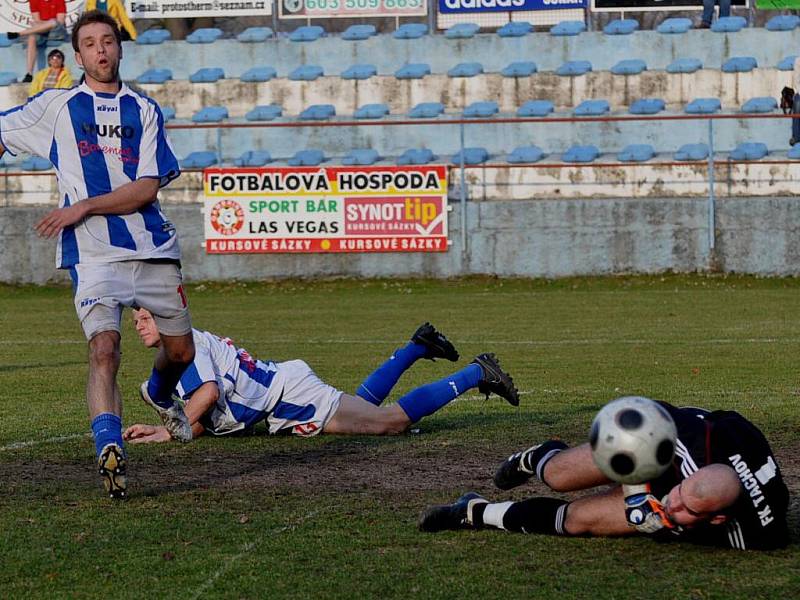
x,y
378,385
107,429
429,398
159,392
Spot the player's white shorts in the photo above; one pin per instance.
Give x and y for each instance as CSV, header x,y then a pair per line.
x,y
301,387
102,290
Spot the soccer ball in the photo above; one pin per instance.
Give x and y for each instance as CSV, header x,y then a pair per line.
x,y
633,439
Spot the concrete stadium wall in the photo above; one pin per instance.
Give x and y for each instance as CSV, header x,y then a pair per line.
x,y
532,238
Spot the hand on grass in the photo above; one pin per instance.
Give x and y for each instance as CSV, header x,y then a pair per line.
x,y
146,434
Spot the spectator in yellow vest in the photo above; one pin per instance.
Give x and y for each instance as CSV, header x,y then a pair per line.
x,y
116,9
55,75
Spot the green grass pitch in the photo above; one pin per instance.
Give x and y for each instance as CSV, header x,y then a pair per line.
x,y
335,516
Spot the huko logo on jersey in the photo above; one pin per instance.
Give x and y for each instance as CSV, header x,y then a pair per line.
x,y
326,209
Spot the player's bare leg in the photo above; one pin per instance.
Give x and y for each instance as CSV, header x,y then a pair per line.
x,y
562,468
174,355
105,409
357,416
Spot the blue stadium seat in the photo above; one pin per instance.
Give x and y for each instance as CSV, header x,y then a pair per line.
x,y
255,35
307,158
207,75
361,71
357,33
647,106
787,63
783,23
155,76
574,68
306,73
35,163
210,114
523,68
418,156
794,152
199,160
372,111
168,113
307,33
675,25
7,78
567,28
592,108
621,27
729,24
410,31
631,66
472,156
153,37
763,104
749,151
253,158
318,112
684,65
361,156
739,64
4,41
466,69
515,29
636,153
264,112
204,35
581,154
426,110
462,31
535,108
703,106
413,71
478,110
525,154
692,152
259,74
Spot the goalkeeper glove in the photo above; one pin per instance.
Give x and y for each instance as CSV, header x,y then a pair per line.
x,y
643,511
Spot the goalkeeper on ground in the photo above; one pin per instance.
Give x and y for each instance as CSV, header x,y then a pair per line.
x,y
724,488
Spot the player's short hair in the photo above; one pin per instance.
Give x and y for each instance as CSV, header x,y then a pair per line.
x,y
94,16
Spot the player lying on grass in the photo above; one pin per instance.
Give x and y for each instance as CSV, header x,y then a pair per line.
x,y
724,488
227,390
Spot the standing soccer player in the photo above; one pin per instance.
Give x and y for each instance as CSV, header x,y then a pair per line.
x,y
111,155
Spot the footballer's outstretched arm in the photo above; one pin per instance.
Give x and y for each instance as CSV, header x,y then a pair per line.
x,y
199,404
122,201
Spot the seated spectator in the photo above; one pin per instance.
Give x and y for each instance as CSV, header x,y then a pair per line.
x,y
708,11
55,75
116,9
48,16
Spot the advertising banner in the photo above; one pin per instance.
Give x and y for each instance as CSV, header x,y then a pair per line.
x,y
15,15
325,209
332,9
478,6
778,4
653,5
172,9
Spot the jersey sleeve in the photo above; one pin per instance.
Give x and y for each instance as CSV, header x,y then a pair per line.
x,y
156,157
196,374
29,127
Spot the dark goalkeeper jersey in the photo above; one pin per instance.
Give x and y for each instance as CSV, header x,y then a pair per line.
x,y
758,518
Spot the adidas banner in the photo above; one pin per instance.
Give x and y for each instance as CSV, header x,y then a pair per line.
x,y
479,6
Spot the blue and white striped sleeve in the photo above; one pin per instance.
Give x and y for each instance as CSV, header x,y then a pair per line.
x,y
156,157
29,128
196,374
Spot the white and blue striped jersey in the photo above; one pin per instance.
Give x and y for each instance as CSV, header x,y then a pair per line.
x,y
98,142
245,384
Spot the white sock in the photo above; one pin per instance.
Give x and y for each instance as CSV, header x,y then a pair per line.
x,y
494,513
